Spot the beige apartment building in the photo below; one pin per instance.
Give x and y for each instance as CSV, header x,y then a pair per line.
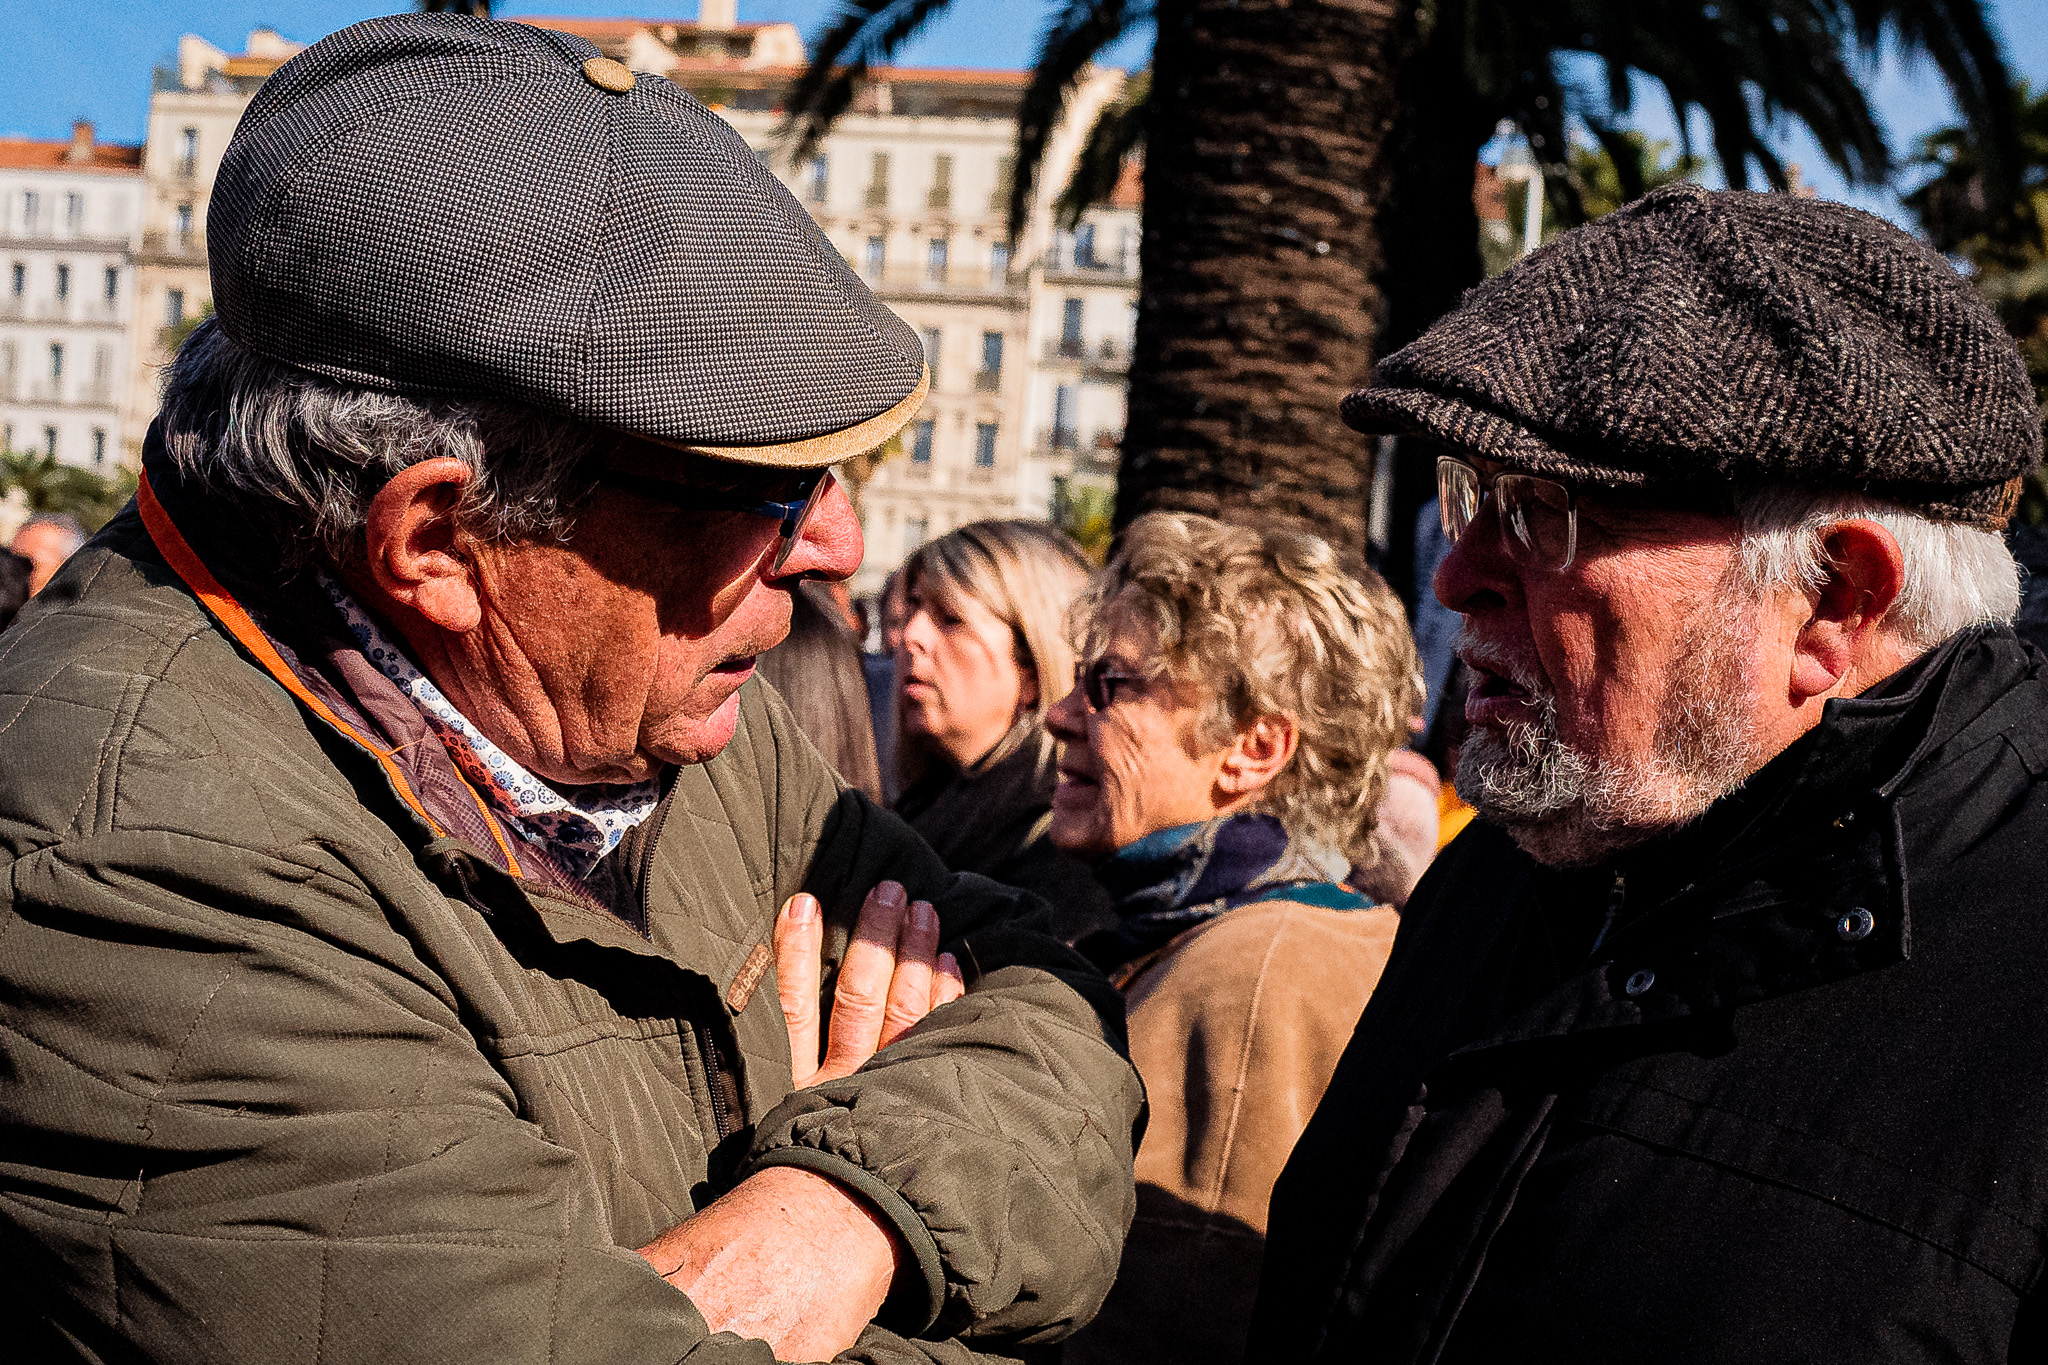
x,y
1028,341
193,111
69,213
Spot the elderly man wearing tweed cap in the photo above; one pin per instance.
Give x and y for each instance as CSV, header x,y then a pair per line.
x,y
414,912
1717,1037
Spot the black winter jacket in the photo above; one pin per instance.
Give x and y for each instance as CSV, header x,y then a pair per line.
x,y
1774,1088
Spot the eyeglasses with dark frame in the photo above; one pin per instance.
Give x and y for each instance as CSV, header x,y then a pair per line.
x,y
1539,518
794,515
1097,682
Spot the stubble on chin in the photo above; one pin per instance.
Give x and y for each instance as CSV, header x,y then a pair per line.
x,y
1567,807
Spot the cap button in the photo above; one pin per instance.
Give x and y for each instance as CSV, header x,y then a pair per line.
x,y
606,74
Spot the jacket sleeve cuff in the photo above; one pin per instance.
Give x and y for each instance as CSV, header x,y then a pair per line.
x,y
915,1299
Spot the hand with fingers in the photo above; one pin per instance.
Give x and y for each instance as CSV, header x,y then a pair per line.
x,y
892,976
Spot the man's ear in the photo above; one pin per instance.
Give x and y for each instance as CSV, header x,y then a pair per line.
x,y
1257,756
1863,575
415,557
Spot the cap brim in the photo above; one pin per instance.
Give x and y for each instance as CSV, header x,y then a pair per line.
x,y
814,452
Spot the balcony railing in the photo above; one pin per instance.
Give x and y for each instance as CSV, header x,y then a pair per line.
x,y
176,245
1108,356
958,281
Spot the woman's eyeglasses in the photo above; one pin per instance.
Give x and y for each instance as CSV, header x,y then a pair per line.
x,y
1097,683
1539,519
810,489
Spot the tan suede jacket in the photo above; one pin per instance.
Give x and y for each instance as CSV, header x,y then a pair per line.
x,y
1236,1027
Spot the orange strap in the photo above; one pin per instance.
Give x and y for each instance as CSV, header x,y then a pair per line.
x,y
185,562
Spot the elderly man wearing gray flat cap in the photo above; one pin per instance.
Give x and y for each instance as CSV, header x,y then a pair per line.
x,y
416,923
1717,1037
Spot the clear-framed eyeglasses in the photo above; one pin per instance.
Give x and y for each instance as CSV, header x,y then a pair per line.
x,y
1539,518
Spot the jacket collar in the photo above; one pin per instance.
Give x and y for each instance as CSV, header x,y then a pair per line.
x,y
1796,879
289,630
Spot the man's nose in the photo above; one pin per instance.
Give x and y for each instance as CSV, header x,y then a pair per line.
x,y
830,545
1477,572
1064,718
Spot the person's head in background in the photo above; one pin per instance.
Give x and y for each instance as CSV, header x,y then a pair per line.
x,y
16,573
895,611
46,541
817,671
1232,670
985,642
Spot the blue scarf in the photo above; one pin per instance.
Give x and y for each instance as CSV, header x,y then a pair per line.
x,y
1168,882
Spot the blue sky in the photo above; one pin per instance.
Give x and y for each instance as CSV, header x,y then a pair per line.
x,y
93,61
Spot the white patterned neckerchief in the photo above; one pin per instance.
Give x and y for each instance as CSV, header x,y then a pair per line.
x,y
575,830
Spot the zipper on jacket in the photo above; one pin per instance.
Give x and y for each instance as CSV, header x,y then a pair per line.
x,y
716,1080
1617,896
722,1083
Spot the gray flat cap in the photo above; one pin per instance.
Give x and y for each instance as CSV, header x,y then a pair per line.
x,y
445,206
1701,340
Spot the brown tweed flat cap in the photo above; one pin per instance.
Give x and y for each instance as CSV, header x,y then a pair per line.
x,y
1705,340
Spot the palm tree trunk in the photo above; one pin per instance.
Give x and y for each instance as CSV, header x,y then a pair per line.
x,y
1430,234
1261,295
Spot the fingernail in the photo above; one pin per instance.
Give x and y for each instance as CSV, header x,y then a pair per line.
x,y
803,909
924,918
891,894
949,964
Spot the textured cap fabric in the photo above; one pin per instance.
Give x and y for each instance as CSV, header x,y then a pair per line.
x,y
446,206
1709,339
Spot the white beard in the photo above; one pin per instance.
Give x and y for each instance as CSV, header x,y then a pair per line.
x,y
1569,808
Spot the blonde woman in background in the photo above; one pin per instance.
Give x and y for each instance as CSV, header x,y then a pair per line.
x,y
1227,748
985,652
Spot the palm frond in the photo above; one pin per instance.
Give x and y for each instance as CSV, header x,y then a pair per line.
x,y
1119,130
866,34
1957,36
1074,37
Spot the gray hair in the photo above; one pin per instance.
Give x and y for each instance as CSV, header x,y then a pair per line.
x,y
304,456
1956,576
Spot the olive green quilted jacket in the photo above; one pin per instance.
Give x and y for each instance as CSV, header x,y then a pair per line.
x,y
302,1060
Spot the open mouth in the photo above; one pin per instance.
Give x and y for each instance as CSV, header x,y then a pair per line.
x,y
1500,692
1074,788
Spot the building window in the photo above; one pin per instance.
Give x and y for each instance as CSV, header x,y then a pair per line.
x,y
56,360
184,223
99,446
931,353
985,445
1070,327
921,442
31,209
74,211
941,196
1084,247
174,307
820,179
1063,436
19,283
915,529
113,283
101,363
878,181
1006,175
63,282
999,263
935,260
871,261
50,442
188,152
991,372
